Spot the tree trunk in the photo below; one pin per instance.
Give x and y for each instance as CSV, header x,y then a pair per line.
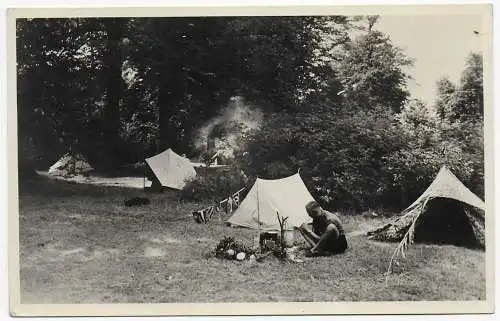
x,y
171,98
404,197
114,86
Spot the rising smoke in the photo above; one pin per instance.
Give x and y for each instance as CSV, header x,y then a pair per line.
x,y
225,129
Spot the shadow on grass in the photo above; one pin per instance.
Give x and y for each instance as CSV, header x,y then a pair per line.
x,y
45,186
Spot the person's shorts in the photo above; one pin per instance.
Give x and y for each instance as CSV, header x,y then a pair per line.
x,y
338,246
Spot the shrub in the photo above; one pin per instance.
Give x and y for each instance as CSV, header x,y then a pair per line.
x,y
215,184
206,157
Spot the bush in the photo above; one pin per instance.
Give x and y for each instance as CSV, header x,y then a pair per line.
x,y
276,170
215,184
366,159
206,157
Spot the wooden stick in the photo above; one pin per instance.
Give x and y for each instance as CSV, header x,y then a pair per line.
x,y
263,256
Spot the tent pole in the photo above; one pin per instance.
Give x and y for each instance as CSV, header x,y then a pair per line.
x,y
258,207
144,173
258,213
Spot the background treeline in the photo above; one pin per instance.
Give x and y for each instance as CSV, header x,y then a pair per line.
x,y
333,92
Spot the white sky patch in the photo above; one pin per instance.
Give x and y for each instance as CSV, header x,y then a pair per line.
x,y
439,44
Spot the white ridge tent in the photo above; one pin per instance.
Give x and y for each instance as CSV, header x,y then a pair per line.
x,y
70,165
171,169
288,196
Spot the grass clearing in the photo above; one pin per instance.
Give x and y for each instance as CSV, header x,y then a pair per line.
x,y
80,244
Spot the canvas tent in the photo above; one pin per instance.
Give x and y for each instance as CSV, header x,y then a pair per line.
x,y
447,212
287,196
70,165
170,169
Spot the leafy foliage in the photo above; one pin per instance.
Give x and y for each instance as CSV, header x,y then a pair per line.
x,y
215,184
332,91
105,85
460,108
368,158
335,162
372,73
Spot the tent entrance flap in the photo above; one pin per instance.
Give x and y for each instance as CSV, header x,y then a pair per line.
x,y
446,212
444,221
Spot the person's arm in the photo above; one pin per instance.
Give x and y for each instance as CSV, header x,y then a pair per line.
x,y
314,229
308,234
316,236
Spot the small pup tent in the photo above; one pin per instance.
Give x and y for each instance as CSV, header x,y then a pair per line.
x,y
170,169
287,196
447,212
70,165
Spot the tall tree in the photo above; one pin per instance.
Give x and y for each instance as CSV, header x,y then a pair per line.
x,y
112,73
468,99
371,22
445,91
462,125
373,72
69,74
56,81
197,64
282,60
176,60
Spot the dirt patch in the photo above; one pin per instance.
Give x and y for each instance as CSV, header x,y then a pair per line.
x,y
130,182
95,254
357,233
80,217
163,239
203,240
154,252
71,252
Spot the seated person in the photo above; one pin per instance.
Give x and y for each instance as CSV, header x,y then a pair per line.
x,y
325,234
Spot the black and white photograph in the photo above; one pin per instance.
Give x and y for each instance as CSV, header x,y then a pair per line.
x,y
314,156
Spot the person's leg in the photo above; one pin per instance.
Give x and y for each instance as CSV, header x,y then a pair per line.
x,y
341,244
308,235
326,240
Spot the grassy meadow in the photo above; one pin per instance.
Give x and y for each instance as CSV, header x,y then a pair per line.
x,y
80,244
